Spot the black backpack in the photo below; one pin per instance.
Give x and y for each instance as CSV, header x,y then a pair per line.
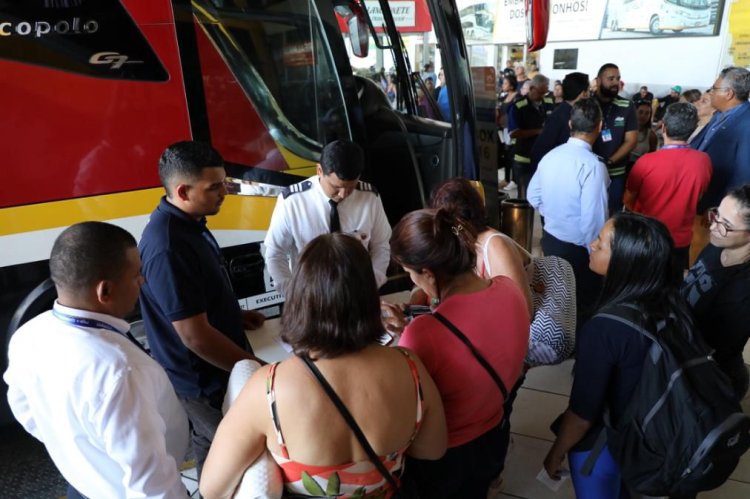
x,y
684,430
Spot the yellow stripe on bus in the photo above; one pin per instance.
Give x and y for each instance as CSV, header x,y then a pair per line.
x,y
237,212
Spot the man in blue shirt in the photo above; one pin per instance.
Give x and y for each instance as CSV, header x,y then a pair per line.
x,y
570,191
194,324
725,138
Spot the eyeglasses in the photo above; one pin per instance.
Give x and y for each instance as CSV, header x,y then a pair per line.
x,y
717,89
724,229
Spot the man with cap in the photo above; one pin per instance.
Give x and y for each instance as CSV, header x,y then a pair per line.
x,y
334,200
660,105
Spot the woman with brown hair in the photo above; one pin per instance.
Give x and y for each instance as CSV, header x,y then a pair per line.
x,y
468,348
496,253
332,317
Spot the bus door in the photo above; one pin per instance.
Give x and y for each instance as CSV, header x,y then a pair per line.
x,y
415,139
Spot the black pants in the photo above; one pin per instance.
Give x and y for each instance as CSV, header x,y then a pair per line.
x,y
522,173
464,472
588,284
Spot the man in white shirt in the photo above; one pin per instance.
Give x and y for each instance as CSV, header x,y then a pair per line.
x,y
80,383
334,200
570,191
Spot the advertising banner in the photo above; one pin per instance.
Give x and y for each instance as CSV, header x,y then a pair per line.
x,y
503,21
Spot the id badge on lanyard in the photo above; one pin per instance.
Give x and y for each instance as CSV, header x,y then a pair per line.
x,y
606,135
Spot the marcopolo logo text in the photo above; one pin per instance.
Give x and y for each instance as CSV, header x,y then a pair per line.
x,y
38,29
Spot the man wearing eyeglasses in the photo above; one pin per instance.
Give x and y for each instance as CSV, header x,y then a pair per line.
x,y
725,138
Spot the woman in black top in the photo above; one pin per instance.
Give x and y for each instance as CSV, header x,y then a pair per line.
x,y
717,286
632,252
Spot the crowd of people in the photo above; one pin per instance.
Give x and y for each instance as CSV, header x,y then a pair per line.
x,y
433,411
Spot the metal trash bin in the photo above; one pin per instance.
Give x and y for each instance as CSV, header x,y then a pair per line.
x,y
517,221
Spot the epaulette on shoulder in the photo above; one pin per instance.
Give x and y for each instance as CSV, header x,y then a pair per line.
x,y
522,102
296,188
621,102
367,187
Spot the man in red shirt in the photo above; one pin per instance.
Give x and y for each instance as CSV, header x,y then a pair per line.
x,y
668,183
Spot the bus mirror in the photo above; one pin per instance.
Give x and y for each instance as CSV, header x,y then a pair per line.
x,y
358,35
356,23
537,24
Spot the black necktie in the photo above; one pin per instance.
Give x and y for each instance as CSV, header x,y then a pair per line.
x,y
334,223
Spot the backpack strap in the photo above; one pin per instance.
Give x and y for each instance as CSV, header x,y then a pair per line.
x,y
596,450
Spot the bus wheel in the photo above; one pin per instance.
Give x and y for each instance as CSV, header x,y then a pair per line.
x,y
653,26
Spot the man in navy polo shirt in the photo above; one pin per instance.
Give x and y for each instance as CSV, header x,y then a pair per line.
x,y
619,132
194,324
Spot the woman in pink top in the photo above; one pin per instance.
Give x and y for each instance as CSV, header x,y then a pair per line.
x,y
438,252
332,314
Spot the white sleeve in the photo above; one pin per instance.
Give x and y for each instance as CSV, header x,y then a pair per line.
x,y
534,190
380,245
132,431
279,243
19,404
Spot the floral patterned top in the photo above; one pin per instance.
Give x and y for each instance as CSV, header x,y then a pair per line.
x,y
350,480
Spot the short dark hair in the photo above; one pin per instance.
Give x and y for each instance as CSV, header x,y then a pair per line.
x,y
332,307
738,79
462,200
585,116
642,271
680,120
434,240
344,158
573,84
741,194
87,253
512,79
185,160
605,67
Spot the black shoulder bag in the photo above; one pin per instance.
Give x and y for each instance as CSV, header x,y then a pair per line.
x,y
402,493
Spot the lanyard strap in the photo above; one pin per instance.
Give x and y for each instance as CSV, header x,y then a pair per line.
x,y
93,323
676,146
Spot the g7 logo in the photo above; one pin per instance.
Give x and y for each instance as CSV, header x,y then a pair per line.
x,y
114,59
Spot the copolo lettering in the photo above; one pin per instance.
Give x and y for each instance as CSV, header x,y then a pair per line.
x,y
39,29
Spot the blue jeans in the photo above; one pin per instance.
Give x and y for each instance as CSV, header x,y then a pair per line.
x,y
604,480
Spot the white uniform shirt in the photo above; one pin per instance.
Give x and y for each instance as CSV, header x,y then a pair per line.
x,y
569,189
304,214
105,410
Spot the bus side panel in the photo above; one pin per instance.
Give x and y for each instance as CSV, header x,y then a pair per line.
x,y
237,131
70,136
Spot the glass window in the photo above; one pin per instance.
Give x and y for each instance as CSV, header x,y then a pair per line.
x,y
279,54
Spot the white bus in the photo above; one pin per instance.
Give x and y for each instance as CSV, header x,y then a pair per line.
x,y
659,15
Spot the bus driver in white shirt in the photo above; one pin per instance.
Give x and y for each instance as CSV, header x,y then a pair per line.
x,y
334,200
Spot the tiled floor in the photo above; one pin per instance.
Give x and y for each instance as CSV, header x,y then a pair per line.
x,y
543,396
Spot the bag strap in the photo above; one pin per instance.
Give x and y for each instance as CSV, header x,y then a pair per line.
x,y
349,421
474,351
596,450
